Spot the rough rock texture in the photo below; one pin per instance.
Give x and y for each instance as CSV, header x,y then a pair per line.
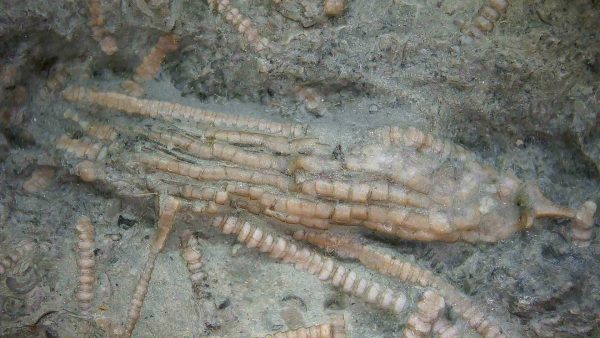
x,y
524,98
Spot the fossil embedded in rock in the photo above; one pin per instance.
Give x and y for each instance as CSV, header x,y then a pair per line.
x,y
396,181
400,182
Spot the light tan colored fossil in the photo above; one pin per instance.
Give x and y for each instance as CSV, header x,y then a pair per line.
x,y
168,207
406,272
150,65
107,42
334,7
402,182
12,258
98,131
86,262
421,321
40,179
396,181
192,256
305,259
336,328
241,23
486,18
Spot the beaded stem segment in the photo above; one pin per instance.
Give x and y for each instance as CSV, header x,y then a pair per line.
x,y
305,259
406,272
108,44
241,23
86,262
150,65
192,255
169,111
168,207
421,321
486,18
335,328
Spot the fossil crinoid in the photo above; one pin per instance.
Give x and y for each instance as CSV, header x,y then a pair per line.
x,y
399,182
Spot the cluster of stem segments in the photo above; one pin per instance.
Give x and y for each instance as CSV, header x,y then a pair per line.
x,y
394,181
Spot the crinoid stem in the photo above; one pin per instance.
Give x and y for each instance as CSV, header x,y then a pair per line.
x,y
241,23
214,173
108,44
421,321
225,152
406,272
192,256
86,262
150,65
40,179
12,259
82,148
98,131
305,259
169,111
351,248
444,329
486,18
279,144
168,207
335,328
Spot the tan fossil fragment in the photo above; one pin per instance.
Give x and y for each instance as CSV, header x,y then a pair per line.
x,y
406,272
107,42
421,321
86,261
486,18
151,64
326,269
168,207
334,328
241,23
40,179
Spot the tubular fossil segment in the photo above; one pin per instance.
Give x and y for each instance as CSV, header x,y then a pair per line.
x,y
40,179
150,65
334,7
108,44
86,262
170,111
190,251
421,321
305,259
400,182
242,24
10,260
486,18
100,132
168,207
407,272
335,328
